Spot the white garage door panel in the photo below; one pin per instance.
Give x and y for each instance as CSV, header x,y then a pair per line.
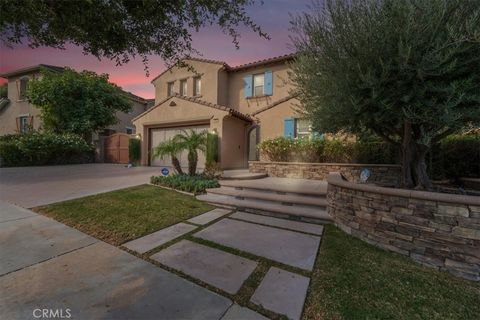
x,y
161,134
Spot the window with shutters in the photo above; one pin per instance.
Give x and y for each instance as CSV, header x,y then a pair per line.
x,y
170,89
197,86
258,85
302,128
24,124
183,87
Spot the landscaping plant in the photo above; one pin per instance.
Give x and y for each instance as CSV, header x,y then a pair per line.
x,y
170,148
408,71
192,142
189,183
134,150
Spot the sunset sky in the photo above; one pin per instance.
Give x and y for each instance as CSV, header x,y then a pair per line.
x,y
272,16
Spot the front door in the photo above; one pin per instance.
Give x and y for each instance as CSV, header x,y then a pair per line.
x,y
253,139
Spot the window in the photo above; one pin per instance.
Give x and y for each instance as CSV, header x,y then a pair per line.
x,y
183,87
170,89
302,128
24,124
22,93
197,86
128,130
258,85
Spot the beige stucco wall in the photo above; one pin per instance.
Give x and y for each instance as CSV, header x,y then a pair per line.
x,y
17,108
271,121
125,119
209,72
236,95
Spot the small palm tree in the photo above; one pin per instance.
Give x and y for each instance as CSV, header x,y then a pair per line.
x,y
169,148
193,142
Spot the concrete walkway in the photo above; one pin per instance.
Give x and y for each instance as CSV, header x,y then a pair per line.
x,y
46,264
34,186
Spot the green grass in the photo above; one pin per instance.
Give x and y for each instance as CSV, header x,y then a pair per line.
x,y
354,280
119,216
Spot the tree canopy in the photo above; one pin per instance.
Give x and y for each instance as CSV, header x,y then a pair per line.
x,y
79,103
121,29
407,70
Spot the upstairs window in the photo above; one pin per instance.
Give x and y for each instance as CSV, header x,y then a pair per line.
x,y
183,87
24,123
197,86
258,85
22,88
170,89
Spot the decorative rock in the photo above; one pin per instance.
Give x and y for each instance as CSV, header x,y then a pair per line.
x,y
453,210
282,292
467,233
209,216
216,267
156,239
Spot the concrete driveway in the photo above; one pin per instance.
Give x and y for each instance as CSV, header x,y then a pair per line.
x,y
34,186
49,267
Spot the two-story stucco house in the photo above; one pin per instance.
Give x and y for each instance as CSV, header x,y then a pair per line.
x,y
18,115
244,105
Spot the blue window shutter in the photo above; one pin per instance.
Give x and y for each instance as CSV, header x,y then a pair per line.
x,y
248,80
289,128
268,83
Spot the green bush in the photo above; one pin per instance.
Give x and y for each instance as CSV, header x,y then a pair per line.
x,y
212,148
134,148
36,149
195,184
319,150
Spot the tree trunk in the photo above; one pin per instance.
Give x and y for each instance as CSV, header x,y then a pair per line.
x,y
414,167
176,165
192,162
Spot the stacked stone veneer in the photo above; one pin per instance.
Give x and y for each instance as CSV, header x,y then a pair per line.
x,y
380,173
438,230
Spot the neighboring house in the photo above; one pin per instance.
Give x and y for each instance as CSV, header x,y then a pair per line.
x,y
18,115
243,105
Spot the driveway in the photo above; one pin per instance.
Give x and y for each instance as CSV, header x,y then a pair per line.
x,y
34,186
49,267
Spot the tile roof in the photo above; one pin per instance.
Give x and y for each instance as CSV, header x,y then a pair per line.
x,y
273,104
31,69
231,111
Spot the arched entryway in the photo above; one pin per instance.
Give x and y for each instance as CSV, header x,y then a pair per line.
x,y
253,140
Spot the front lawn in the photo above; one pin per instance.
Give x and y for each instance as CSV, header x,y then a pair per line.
x,y
119,216
354,280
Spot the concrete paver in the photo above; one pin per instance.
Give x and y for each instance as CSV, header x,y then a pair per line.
x,y
282,292
10,212
104,282
237,312
282,223
209,216
215,267
35,186
156,239
288,247
33,239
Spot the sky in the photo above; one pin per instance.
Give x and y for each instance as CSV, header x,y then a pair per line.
x,y
272,16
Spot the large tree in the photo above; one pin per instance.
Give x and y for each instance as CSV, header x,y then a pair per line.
x,y
121,29
407,70
74,102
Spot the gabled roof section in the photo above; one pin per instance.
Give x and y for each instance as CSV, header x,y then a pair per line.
x,y
222,63
231,111
31,69
283,58
274,104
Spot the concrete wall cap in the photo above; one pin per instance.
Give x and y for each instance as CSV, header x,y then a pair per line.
x,y
336,179
325,164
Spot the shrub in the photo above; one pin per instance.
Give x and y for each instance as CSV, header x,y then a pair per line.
x,y
212,148
213,170
195,184
35,149
134,147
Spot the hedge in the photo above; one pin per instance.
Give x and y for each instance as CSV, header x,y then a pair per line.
x,y
37,149
195,184
134,150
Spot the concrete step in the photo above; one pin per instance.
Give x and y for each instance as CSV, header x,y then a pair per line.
x,y
242,174
286,185
283,198
297,211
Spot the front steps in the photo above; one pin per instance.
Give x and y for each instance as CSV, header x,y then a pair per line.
x,y
292,198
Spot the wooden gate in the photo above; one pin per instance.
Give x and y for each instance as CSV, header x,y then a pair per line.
x,y
116,148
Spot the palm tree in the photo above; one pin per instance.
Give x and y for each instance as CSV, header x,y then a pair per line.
x,y
169,148
192,141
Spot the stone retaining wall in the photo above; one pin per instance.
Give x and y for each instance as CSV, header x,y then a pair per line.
x,y
437,230
380,173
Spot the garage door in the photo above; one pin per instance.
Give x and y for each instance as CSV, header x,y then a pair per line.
x,y
161,134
